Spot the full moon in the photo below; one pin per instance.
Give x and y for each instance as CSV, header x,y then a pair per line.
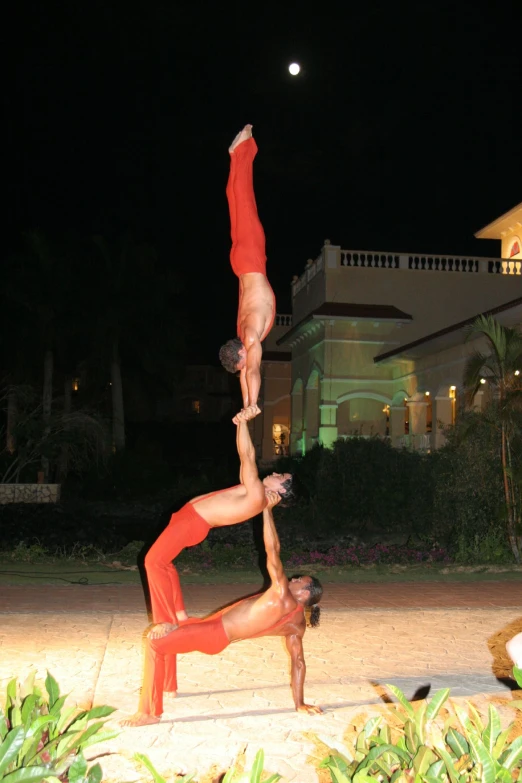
x,y
294,68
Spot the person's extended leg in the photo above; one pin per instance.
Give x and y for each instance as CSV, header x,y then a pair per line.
x,y
248,237
206,636
186,528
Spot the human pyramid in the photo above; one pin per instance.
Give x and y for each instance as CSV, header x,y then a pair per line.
x,y
279,611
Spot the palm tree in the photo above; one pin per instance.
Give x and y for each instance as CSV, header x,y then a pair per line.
x,y
135,322
501,369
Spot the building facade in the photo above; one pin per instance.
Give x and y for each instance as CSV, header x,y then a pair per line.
x,y
376,343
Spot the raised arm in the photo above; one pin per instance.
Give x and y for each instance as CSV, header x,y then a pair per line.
x,y
254,353
272,545
294,645
248,474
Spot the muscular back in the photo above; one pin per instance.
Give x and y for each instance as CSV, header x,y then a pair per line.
x,y
230,506
256,310
257,616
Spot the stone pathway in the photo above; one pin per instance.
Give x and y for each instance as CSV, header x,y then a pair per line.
x,y
415,636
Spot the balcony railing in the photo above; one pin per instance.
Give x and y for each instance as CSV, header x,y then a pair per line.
x,y
413,262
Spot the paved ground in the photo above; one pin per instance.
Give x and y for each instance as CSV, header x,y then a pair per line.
x,y
412,635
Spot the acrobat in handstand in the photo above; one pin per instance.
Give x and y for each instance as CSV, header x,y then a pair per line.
x,y
256,310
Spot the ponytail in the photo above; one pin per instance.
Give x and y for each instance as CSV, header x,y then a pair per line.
x,y
315,615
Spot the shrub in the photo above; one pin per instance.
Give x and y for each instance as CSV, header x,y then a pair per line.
x,y
39,739
420,749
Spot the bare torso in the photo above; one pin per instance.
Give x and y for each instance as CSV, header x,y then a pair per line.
x,y
230,506
256,305
257,616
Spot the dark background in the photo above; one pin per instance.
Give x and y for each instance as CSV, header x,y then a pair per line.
x,y
402,132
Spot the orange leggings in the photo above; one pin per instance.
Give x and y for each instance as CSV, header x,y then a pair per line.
x,y
248,237
206,636
186,528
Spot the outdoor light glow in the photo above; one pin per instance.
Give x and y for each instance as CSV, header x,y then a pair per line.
x,y
517,372
453,388
483,380
294,68
427,394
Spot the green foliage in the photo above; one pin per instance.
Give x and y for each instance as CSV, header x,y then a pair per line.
x,y
364,484
468,489
40,739
256,774
422,749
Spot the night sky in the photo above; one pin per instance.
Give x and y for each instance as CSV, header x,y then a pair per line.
x,y
402,132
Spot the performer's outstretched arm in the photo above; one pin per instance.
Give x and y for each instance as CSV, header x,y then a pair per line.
x,y
254,353
294,645
273,546
248,473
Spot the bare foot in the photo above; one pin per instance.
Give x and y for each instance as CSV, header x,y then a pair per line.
x,y
181,616
172,694
140,719
243,135
160,630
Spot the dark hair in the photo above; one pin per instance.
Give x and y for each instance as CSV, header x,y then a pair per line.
x,y
315,590
288,496
229,354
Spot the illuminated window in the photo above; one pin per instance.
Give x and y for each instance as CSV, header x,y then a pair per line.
x,y
453,398
76,384
280,438
196,406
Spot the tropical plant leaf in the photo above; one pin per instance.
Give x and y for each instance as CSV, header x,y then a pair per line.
x,y
257,767
399,695
334,761
102,736
3,726
10,747
513,754
424,758
500,744
420,721
517,674
10,694
378,751
475,717
448,763
27,687
58,704
27,775
463,717
436,703
102,711
457,743
272,779
95,774
435,770
64,717
52,688
77,770
516,703
492,730
28,705
481,756
143,759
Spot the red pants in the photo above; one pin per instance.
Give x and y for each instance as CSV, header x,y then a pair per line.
x,y
186,528
248,237
206,636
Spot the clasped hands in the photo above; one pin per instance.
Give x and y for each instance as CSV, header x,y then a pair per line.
x,y
245,414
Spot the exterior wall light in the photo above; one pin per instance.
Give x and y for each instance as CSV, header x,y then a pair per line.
x,y
483,380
